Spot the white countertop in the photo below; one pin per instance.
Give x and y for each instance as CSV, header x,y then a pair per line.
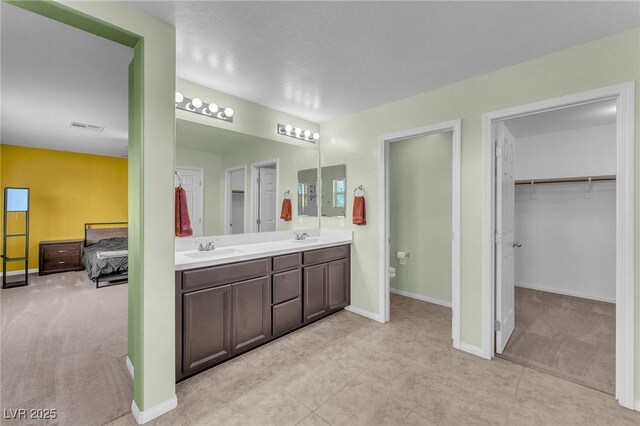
x,y
231,249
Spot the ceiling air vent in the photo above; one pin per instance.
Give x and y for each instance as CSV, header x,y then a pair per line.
x,y
85,126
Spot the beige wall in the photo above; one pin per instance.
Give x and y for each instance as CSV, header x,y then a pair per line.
x,y
354,141
420,214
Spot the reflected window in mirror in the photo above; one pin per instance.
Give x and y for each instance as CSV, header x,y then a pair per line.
x,y
334,187
307,192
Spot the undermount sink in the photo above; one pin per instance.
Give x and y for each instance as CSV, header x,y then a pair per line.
x,y
213,253
312,240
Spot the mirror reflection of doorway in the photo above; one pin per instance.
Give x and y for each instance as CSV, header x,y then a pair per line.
x,y
235,200
266,176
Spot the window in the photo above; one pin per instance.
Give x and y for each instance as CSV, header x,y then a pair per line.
x,y
338,193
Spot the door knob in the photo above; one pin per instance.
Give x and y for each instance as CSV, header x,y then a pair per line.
x,y
517,244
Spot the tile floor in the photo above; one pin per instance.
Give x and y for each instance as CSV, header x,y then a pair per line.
x,y
346,369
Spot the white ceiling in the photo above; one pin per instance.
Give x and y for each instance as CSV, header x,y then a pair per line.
x,y
52,74
322,60
577,117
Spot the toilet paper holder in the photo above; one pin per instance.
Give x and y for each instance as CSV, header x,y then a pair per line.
x,y
402,256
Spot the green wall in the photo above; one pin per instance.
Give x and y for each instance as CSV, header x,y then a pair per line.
x,y
420,214
354,141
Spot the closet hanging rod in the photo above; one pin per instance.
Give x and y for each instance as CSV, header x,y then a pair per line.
x,y
580,179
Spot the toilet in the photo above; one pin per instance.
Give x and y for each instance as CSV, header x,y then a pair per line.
x,y
392,273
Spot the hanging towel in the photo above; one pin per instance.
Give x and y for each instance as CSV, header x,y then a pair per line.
x,y
183,223
359,210
285,212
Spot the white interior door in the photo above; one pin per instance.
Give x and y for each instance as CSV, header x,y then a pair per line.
x,y
505,237
192,185
267,200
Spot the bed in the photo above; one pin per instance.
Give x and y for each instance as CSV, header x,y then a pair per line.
x,y
105,255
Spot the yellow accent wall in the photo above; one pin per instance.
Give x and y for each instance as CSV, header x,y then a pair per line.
x,y
67,190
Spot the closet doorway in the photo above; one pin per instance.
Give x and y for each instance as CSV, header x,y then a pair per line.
x,y
409,240
234,199
562,242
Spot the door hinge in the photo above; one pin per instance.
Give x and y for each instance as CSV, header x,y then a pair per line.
x,y
498,237
200,183
258,180
258,221
498,325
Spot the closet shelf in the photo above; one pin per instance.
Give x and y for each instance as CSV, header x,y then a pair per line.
x,y
579,179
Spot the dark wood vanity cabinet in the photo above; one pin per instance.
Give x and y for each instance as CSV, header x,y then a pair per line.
x,y
338,276
206,321
316,292
251,314
223,311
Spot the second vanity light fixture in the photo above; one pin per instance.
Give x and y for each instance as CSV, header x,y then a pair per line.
x,y
298,133
210,110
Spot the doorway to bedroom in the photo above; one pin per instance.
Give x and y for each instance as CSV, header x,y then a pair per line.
x,y
65,137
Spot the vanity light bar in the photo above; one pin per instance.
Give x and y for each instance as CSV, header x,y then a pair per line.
x,y
298,133
197,106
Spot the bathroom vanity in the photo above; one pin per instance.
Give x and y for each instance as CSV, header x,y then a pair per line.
x,y
236,298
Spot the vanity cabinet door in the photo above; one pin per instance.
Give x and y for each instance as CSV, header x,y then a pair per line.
x,y
251,314
315,292
339,289
206,339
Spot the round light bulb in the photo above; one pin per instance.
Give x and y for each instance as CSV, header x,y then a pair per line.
x,y
228,111
298,131
213,108
179,97
316,136
196,102
307,134
288,128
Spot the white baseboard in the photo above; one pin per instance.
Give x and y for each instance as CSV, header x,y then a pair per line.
x,y
367,314
638,405
13,273
473,350
129,365
145,416
563,291
421,297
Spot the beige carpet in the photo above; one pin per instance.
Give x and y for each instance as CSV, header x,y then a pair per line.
x,y
64,344
566,336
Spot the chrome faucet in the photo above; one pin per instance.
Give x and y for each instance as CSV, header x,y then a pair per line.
x,y
209,246
302,236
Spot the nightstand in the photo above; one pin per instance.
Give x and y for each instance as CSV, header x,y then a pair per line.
x,y
60,256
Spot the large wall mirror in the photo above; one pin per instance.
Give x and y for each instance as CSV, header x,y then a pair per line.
x,y
236,183
334,184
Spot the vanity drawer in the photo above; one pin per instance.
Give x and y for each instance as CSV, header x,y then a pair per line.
x,y
224,274
287,261
325,255
286,286
286,316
